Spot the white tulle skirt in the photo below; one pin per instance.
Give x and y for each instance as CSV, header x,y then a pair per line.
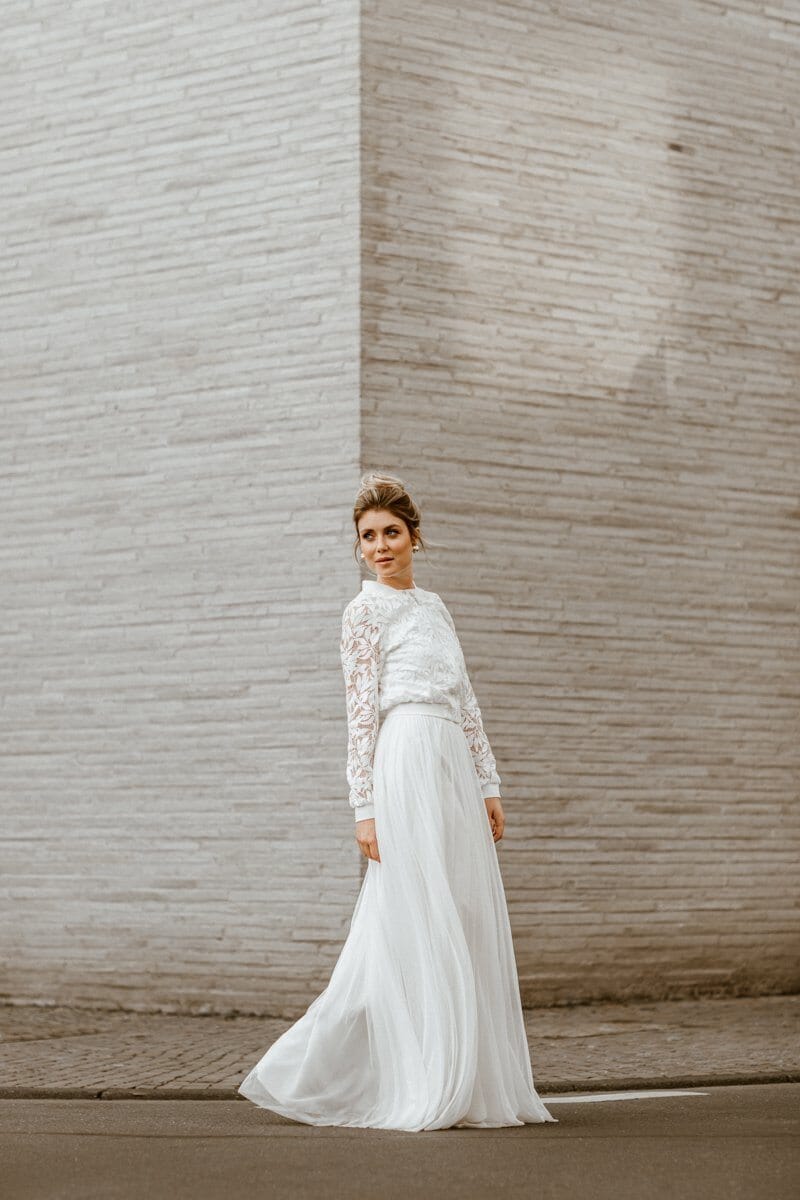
x,y
420,1026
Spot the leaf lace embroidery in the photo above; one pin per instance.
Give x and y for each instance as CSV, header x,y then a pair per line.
x,y
360,653
472,723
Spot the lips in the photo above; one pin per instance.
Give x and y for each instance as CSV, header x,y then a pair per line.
x,y
384,560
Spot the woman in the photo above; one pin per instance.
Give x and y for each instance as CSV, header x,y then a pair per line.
x,y
420,1026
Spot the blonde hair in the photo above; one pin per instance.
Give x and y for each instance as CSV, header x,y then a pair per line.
x,y
379,490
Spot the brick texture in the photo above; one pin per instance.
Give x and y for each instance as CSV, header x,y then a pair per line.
x,y
580,340
542,260
180,448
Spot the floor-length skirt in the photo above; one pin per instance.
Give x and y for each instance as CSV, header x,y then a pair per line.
x,y
420,1026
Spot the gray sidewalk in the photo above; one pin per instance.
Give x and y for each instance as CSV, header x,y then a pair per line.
x,y
68,1052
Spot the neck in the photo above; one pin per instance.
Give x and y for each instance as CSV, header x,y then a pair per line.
x,y
398,587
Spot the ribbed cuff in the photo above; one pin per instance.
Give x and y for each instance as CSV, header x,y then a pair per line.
x,y
490,789
364,812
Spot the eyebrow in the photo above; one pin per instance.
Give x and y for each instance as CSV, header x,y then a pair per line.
x,y
391,525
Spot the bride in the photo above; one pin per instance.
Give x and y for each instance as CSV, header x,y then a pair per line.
x,y
420,1026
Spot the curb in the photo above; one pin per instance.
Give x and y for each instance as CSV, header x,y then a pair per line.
x,y
562,1087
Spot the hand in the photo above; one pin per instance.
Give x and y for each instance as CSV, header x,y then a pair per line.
x,y
494,810
365,836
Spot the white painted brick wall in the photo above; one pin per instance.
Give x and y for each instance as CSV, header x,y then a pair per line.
x,y
552,249
581,344
180,325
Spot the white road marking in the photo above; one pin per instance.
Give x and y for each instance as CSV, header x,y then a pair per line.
x,y
583,1097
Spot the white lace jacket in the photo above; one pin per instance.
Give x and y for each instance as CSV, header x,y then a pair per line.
x,y
400,645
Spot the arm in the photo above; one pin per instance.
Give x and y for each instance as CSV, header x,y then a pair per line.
x,y
360,652
472,724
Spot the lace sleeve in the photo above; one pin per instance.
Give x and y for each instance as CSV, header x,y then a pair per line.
x,y
472,724
360,651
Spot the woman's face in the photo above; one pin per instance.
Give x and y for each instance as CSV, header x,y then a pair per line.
x,y
386,545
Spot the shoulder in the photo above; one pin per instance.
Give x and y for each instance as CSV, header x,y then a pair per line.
x,y
436,601
365,606
356,607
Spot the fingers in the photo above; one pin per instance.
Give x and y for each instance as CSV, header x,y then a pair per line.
x,y
369,848
497,820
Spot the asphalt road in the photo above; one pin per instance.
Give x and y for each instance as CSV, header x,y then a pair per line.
x,y
719,1142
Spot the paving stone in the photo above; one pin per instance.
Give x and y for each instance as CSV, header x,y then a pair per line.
x,y
59,1051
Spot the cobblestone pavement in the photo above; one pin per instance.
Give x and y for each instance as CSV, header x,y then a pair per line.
x,y
68,1052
